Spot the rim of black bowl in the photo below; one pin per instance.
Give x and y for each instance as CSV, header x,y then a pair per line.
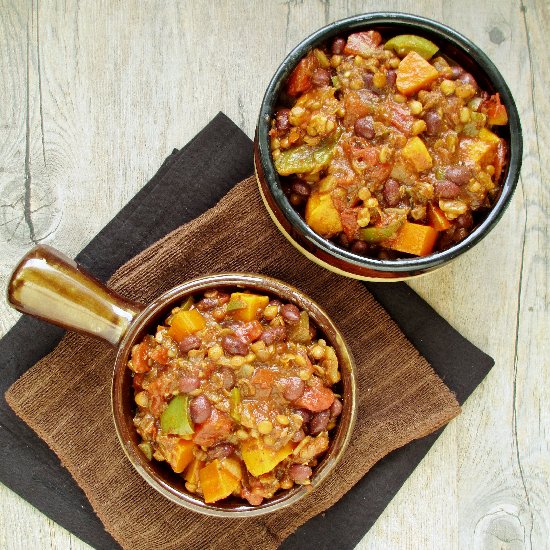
x,y
412,23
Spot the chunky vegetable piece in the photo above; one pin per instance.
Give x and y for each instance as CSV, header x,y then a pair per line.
x,y
388,130
239,398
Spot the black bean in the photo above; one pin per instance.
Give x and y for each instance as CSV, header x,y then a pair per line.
x,y
189,342
188,383
364,127
391,77
234,345
391,192
301,188
447,189
320,77
290,313
319,422
221,450
281,119
300,472
465,220
458,174
368,79
206,304
305,414
293,387
336,408
359,247
457,71
434,123
200,409
338,46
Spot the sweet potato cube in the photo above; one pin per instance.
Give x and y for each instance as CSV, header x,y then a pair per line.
x,y
414,73
260,459
414,238
181,455
233,466
417,154
185,323
322,216
247,305
216,482
437,218
192,471
476,150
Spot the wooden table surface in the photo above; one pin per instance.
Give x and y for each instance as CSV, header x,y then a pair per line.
x,y
93,97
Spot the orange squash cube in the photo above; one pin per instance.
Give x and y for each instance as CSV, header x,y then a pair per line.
x,y
248,305
216,482
414,238
181,455
437,218
414,73
192,471
321,215
185,323
260,459
417,154
476,150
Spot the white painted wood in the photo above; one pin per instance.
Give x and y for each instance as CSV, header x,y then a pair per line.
x,y
94,95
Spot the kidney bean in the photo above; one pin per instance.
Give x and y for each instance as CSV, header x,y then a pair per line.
x,y
364,127
447,189
234,345
457,71
270,335
359,247
467,78
458,174
320,77
336,408
319,422
189,342
305,414
300,472
207,303
188,383
228,377
434,123
338,46
391,77
293,387
200,409
290,313
221,450
281,120
301,188
391,192
298,436
465,220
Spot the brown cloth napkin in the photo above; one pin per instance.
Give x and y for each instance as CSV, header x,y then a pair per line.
x,y
65,397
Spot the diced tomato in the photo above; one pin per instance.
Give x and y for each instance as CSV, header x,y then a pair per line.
x,y
250,332
137,381
348,216
264,378
315,399
160,355
300,78
362,43
399,117
253,498
357,105
140,358
500,159
213,430
495,111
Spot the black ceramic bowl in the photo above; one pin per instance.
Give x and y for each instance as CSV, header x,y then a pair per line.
x,y
293,226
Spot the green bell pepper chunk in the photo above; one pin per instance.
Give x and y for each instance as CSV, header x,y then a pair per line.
x,y
176,419
187,304
377,234
405,43
232,305
306,159
147,450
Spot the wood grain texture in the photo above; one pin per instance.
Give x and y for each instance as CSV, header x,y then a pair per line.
x,y
94,95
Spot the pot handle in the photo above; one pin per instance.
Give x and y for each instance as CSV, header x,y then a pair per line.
x,y
49,285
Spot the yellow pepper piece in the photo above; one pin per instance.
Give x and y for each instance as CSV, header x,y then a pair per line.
x,y
216,482
322,216
253,303
260,459
415,151
185,323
